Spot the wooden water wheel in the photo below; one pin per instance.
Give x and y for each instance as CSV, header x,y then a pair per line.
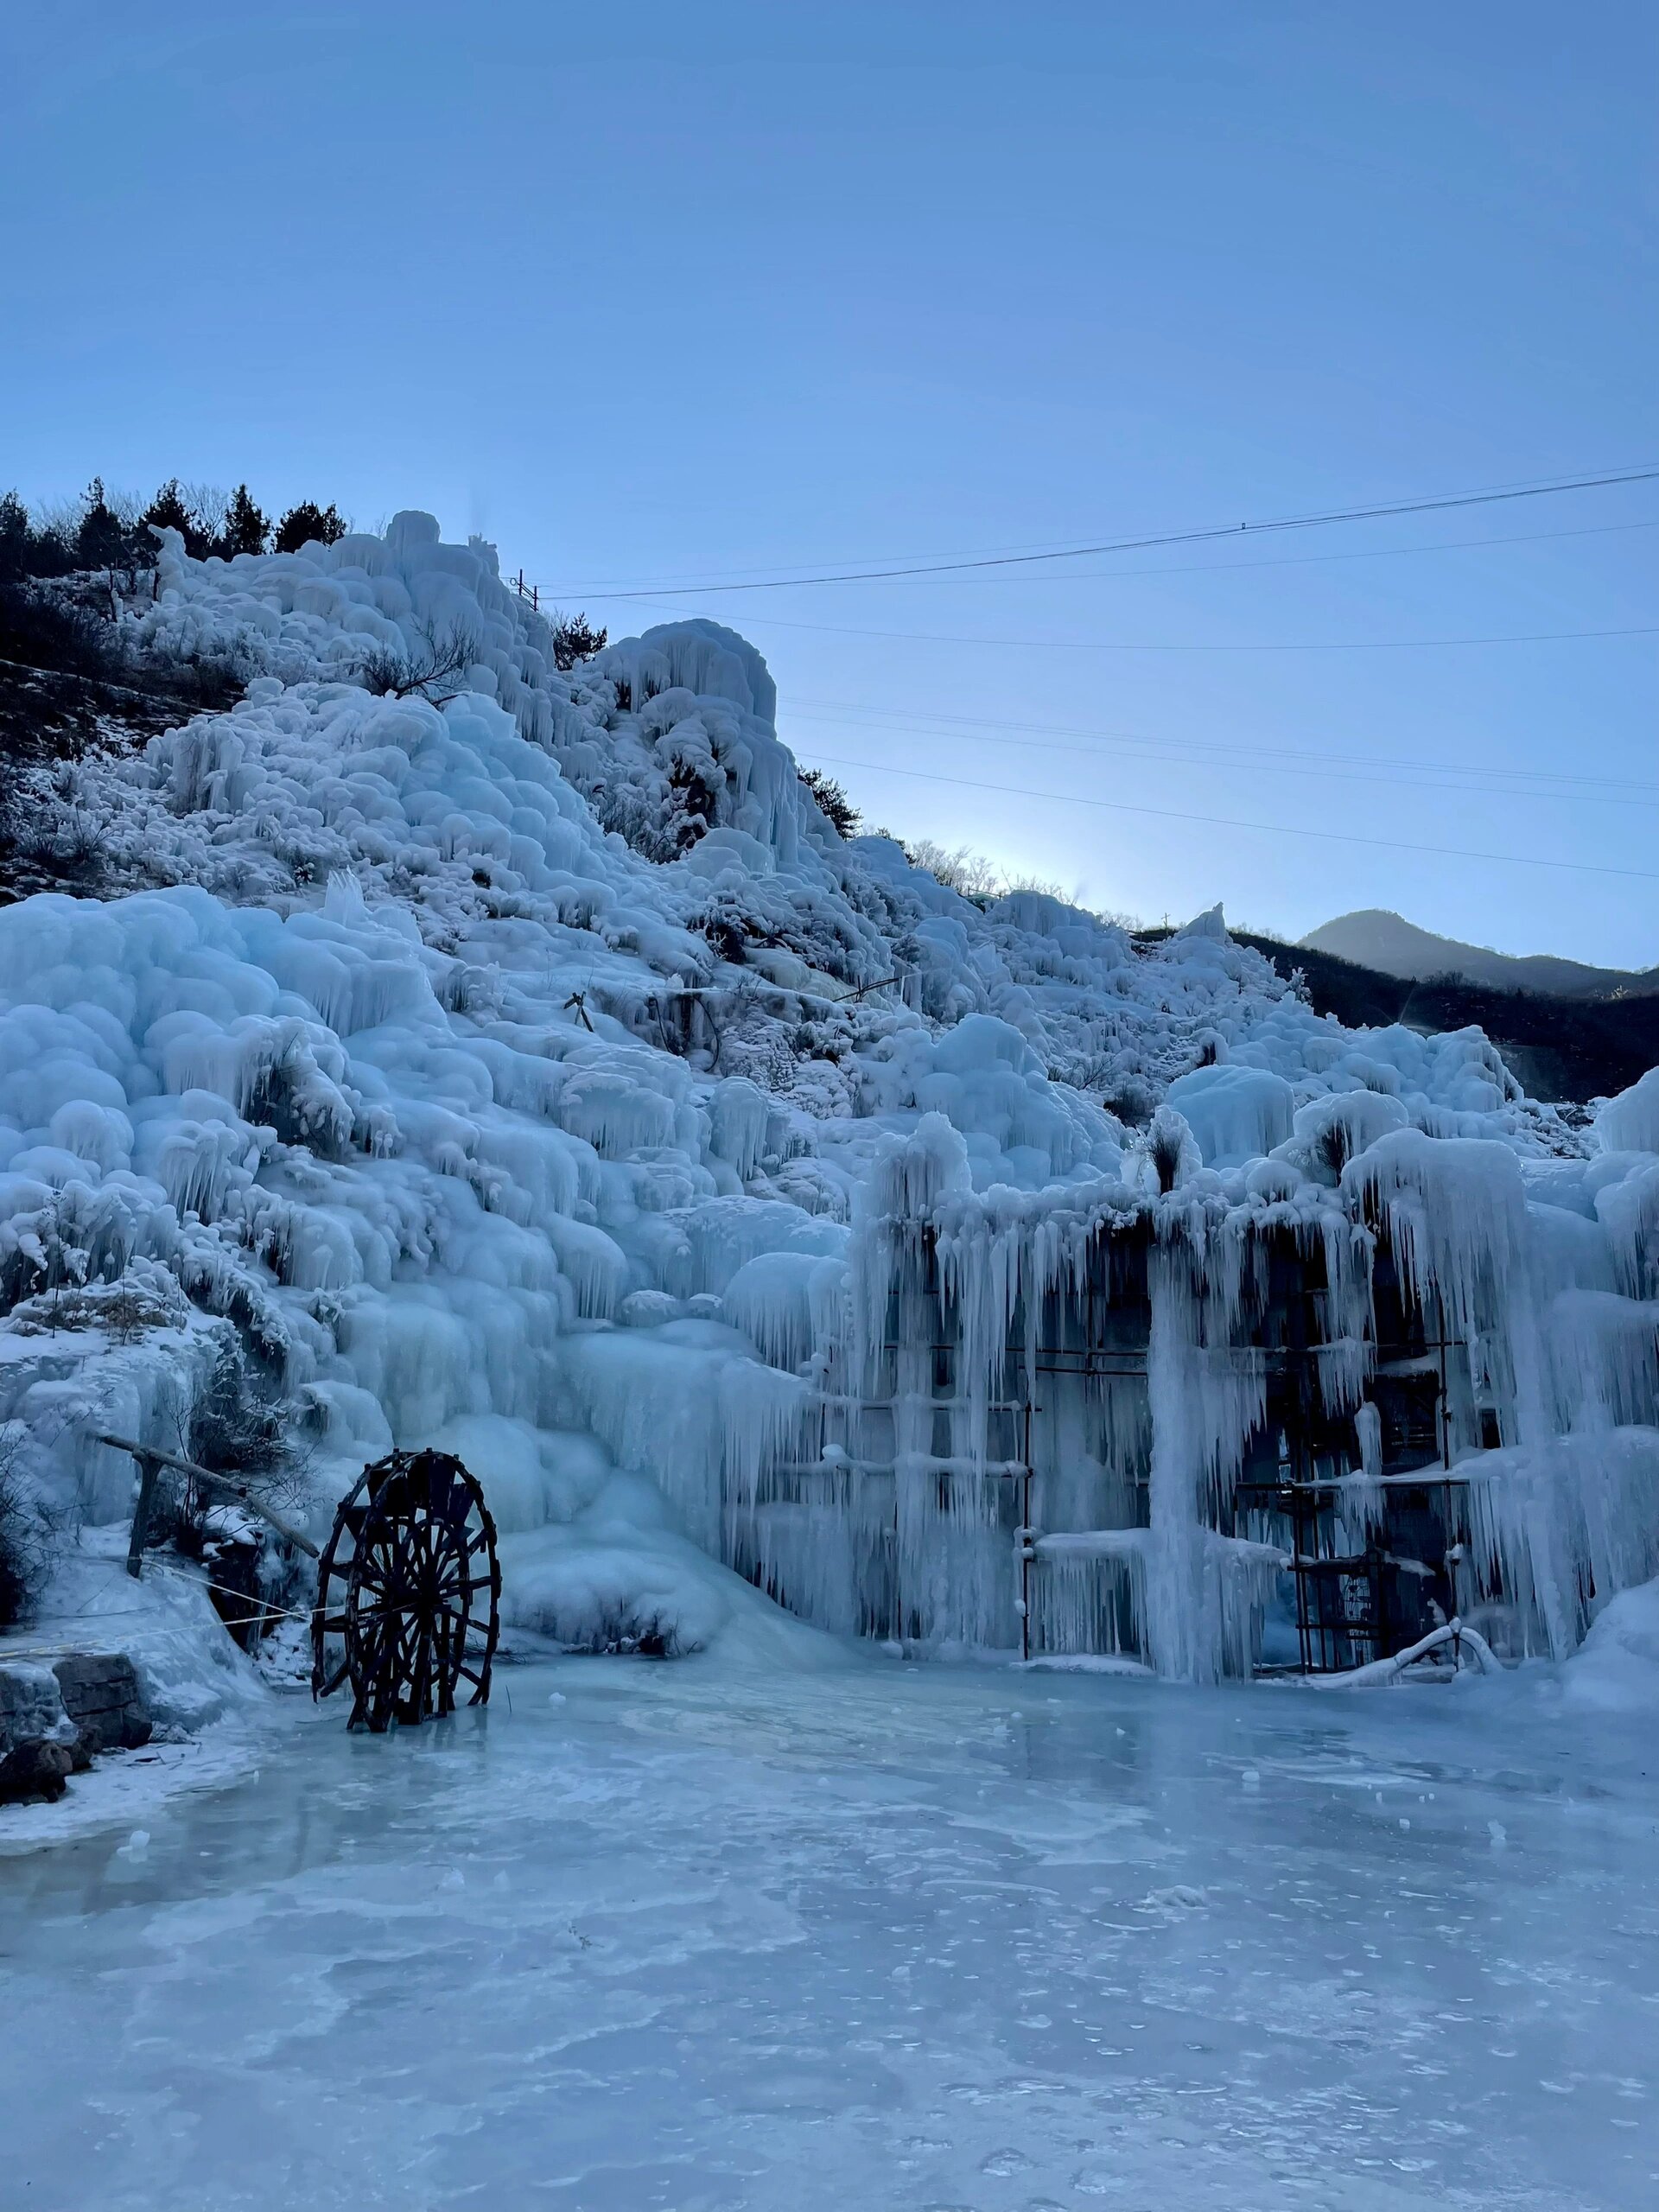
x,y
409,1591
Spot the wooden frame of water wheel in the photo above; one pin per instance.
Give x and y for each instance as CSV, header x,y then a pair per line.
x,y
409,1593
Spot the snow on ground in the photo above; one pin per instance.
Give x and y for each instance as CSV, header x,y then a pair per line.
x,y
492,1057
122,1790
211,1711
716,1934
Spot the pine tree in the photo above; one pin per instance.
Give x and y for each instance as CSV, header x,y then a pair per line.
x,y
101,541
307,522
247,527
832,802
14,538
575,639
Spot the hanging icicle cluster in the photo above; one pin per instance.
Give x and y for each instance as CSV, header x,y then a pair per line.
x,y
1112,1415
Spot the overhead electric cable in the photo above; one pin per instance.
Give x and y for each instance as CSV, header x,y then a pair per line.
x,y
1231,567
832,708
1325,518
1230,822
1211,752
1350,553
1295,645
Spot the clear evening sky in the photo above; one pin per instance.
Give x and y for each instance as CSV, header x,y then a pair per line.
x,y
658,297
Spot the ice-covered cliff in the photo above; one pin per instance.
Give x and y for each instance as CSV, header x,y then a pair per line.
x,y
499,1059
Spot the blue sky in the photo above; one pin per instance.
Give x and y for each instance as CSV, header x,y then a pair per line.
x,y
660,295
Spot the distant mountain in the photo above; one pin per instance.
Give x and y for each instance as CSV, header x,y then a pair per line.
x,y
1376,938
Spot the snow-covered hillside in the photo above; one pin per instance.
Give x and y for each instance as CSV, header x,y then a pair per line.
x,y
506,1065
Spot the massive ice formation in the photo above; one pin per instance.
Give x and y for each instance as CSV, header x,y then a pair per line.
x,y
521,1063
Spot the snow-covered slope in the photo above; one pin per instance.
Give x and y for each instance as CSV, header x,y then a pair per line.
x,y
501,1065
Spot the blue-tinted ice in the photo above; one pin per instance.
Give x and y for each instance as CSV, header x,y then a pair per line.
x,y
875,1936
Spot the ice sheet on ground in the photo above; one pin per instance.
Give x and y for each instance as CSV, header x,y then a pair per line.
x,y
712,1935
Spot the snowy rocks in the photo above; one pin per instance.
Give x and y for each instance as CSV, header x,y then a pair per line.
x,y
53,1719
39,1745
31,1706
36,1769
102,1697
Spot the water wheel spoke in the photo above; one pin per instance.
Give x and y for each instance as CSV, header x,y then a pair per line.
x,y
461,1630
363,1616
466,1620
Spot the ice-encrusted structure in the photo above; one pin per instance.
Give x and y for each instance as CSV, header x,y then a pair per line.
x,y
520,1062
1120,1408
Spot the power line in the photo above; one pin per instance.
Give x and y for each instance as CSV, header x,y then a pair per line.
x,y
1228,822
1312,766
1313,560
835,706
1218,567
1113,645
1617,791
1439,503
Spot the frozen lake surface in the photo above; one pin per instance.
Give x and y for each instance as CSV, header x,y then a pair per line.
x,y
875,1936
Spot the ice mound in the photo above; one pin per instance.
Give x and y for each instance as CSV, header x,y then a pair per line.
x,y
1618,1670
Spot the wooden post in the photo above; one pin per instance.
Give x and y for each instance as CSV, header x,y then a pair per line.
x,y
149,1468
153,1461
